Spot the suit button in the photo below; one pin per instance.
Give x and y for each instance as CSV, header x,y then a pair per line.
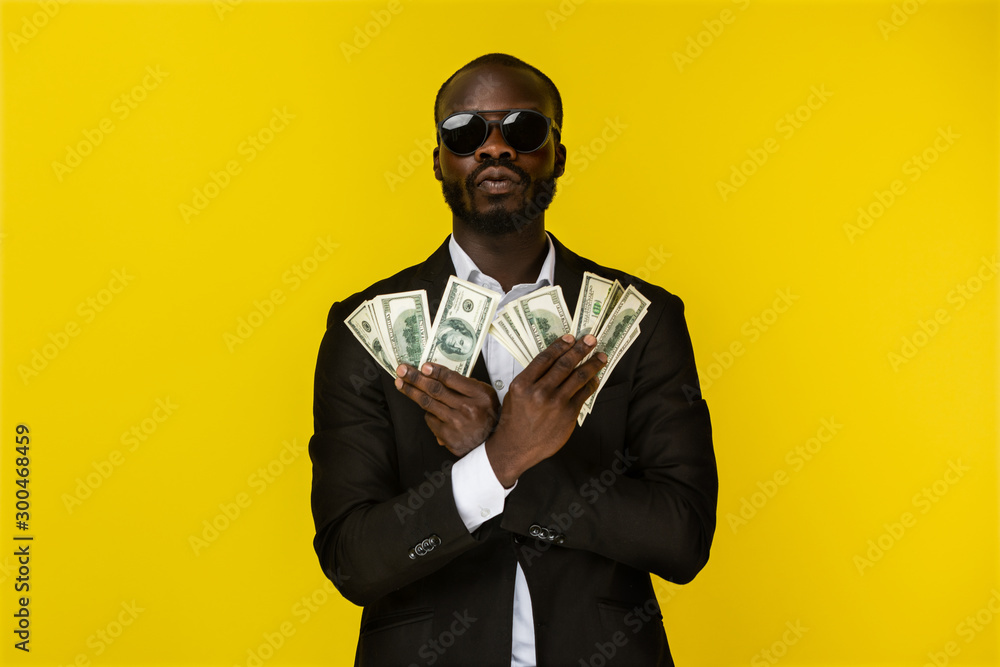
x,y
518,539
435,540
535,530
413,554
559,539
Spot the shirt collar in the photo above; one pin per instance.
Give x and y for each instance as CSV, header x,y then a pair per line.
x,y
466,269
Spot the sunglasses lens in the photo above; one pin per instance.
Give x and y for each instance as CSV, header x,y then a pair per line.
x,y
525,131
463,133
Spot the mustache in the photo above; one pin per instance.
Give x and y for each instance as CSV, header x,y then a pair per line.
x,y
470,180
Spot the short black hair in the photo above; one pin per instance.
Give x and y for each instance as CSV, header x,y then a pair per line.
x,y
509,61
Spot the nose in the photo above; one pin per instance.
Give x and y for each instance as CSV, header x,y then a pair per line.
x,y
495,145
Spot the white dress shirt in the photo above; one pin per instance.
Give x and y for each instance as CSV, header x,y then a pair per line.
x,y
479,495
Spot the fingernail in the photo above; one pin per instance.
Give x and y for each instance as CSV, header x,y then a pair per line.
x,y
401,370
603,357
426,369
398,383
589,340
568,338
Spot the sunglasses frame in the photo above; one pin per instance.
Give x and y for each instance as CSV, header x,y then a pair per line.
x,y
549,126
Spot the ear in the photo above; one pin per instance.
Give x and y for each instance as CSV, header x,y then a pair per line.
x,y
437,163
560,163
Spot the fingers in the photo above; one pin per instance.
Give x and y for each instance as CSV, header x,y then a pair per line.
x,y
583,381
429,394
544,360
565,366
457,382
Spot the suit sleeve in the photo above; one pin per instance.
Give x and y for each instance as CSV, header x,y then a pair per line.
x,y
373,533
652,504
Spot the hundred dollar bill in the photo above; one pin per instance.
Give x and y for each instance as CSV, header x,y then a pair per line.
x,y
616,334
614,295
461,325
546,314
364,325
607,371
520,324
591,304
404,323
508,334
510,345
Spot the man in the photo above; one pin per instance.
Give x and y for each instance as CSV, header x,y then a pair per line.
x,y
471,516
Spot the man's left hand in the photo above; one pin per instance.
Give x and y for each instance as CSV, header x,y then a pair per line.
x,y
461,412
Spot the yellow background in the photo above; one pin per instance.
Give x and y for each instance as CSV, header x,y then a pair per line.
x,y
645,199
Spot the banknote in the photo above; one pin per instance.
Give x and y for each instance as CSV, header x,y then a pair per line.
x,y
521,326
363,323
461,325
499,331
504,331
605,373
546,315
614,295
404,323
395,328
594,293
617,333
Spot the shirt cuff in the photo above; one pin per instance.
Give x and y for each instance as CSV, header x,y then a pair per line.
x,y
479,495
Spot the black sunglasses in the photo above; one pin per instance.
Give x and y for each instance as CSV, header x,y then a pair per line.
x,y
524,130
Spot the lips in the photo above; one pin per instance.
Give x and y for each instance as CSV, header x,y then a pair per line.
x,y
497,181
497,175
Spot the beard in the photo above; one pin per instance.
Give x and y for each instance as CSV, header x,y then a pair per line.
x,y
495,219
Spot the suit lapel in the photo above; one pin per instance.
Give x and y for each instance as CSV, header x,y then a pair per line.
x,y
569,272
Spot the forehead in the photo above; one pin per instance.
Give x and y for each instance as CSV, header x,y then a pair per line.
x,y
496,87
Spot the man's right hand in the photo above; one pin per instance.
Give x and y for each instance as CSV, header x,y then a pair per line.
x,y
541,406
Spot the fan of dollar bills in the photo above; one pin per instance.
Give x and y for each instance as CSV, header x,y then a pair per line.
x,y
396,329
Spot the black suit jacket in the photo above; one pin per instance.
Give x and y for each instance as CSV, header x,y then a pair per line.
x,y
632,492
